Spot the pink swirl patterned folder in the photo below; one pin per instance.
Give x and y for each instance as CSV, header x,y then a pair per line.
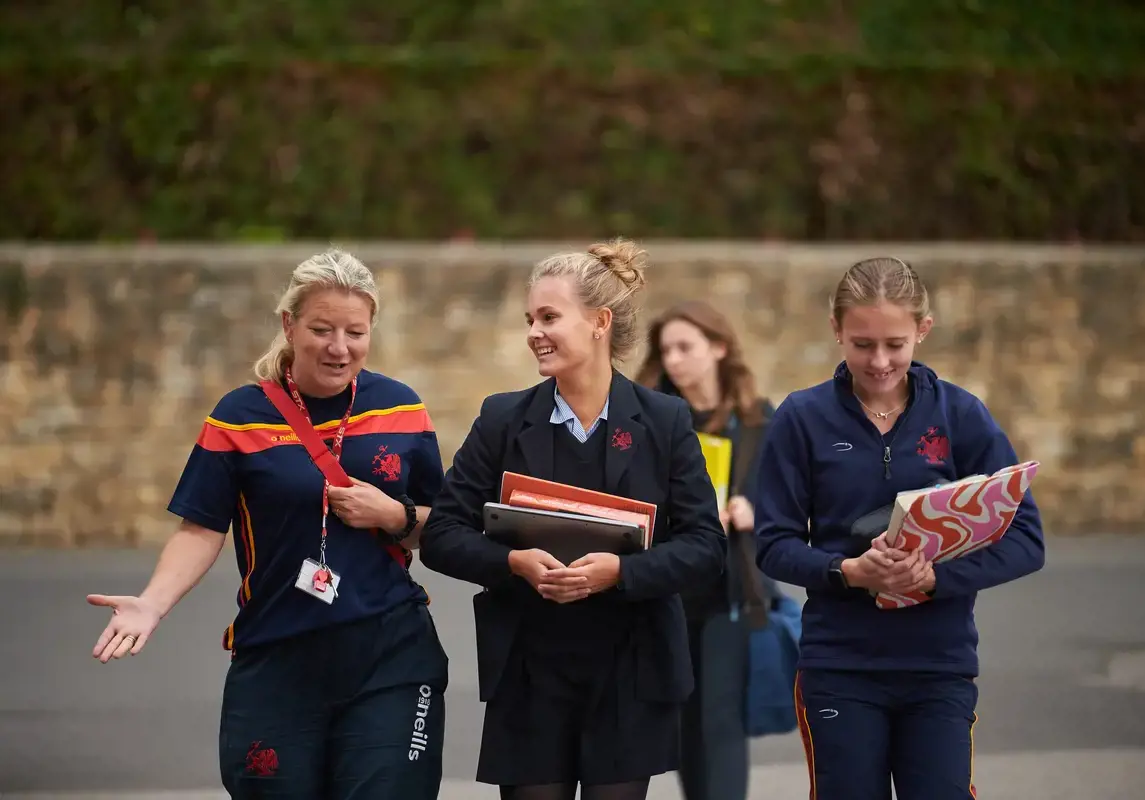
x,y
955,519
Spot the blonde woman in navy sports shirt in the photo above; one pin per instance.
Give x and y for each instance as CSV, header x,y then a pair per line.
x,y
883,694
322,699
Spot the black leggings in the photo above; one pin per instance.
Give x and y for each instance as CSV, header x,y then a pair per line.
x,y
633,790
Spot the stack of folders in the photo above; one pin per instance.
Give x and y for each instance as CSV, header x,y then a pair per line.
x,y
566,521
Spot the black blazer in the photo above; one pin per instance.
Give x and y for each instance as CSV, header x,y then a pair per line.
x,y
662,465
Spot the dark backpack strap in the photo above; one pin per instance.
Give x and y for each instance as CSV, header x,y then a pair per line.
x,y
746,450
746,590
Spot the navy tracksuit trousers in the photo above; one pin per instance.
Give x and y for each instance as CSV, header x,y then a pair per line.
x,y
861,728
352,712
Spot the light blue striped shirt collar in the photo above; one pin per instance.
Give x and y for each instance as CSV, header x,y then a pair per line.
x,y
564,415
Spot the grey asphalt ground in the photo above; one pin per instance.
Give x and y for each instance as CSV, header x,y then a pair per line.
x,y
1062,703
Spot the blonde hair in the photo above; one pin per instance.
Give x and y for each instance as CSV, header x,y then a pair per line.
x,y
333,269
606,276
883,279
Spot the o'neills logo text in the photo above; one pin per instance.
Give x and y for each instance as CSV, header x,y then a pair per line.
x,y
418,739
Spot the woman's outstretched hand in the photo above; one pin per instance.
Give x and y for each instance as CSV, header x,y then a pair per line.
x,y
133,620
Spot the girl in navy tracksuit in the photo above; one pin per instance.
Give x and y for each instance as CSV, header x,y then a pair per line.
x,y
883,693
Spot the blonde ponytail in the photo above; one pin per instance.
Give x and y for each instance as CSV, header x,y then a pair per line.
x,y
271,365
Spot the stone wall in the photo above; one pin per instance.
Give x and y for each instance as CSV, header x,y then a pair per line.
x,y
110,357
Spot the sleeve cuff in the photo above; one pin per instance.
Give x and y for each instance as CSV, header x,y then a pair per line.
x,y
202,520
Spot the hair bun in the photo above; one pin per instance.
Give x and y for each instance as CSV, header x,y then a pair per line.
x,y
624,260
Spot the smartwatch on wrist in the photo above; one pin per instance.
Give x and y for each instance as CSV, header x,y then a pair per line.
x,y
835,575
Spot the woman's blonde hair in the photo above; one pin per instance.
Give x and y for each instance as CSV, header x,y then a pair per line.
x,y
882,279
606,276
333,269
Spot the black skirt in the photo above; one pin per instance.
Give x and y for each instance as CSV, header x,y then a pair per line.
x,y
567,711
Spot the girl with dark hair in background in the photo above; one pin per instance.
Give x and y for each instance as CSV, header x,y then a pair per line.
x,y
695,354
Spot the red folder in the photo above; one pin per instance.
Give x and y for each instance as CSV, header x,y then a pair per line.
x,y
524,491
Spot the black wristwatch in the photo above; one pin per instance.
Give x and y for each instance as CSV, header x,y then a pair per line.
x,y
836,577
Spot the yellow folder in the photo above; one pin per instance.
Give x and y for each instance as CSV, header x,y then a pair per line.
x,y
718,455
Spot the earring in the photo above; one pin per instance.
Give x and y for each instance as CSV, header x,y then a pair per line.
x,y
596,335
920,339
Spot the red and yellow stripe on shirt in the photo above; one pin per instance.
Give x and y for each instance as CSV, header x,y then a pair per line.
x,y
254,437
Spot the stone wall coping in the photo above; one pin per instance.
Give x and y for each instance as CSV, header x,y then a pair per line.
x,y
833,256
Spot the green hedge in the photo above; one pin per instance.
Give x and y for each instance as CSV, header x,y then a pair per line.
x,y
571,118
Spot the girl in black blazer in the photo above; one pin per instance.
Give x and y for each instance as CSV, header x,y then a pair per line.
x,y
584,666
693,352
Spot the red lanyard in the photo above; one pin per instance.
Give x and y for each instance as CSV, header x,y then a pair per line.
x,y
335,448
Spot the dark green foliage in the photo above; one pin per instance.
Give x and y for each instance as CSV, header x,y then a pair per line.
x,y
247,119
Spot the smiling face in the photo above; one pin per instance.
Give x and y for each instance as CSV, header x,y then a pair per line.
x,y
689,357
330,338
561,328
878,345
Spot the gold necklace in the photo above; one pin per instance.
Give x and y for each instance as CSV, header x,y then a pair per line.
x,y
880,414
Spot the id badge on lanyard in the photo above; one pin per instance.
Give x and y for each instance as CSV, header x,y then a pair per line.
x,y
315,577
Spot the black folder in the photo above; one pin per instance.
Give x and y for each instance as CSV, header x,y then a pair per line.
x,y
565,536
